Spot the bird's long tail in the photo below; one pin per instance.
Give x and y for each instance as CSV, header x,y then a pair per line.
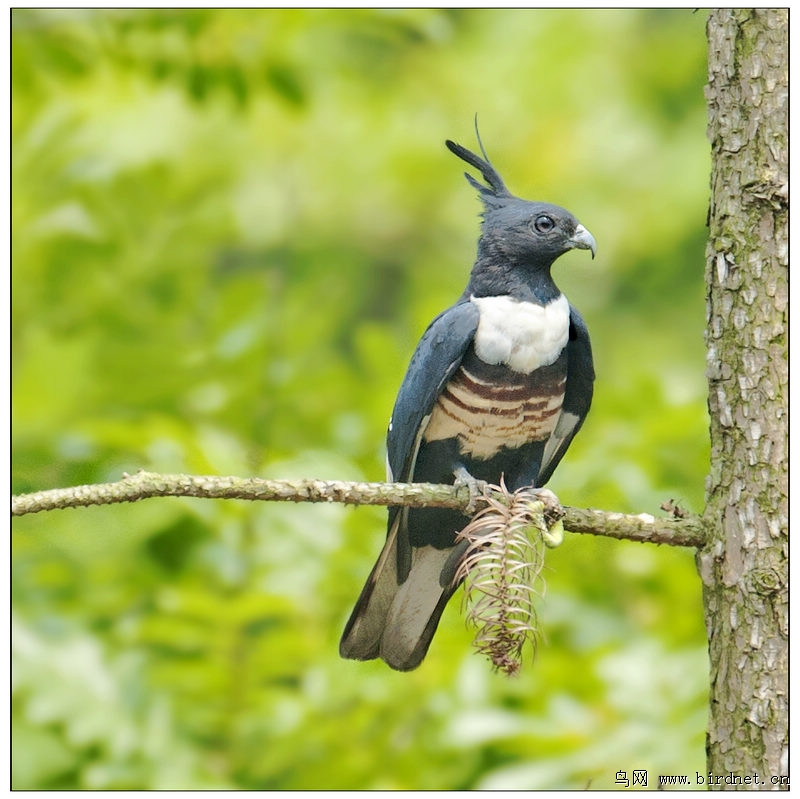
x,y
396,620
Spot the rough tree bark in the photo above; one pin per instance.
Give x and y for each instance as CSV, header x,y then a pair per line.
x,y
744,563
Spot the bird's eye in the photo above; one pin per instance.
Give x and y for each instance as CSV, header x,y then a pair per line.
x,y
543,223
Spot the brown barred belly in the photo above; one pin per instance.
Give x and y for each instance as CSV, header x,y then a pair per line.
x,y
490,407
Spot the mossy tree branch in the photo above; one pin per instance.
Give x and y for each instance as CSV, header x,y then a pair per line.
x,y
143,485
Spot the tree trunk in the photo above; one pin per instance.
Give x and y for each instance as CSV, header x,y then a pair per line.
x,y
744,565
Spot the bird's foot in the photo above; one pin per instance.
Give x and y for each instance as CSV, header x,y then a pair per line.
x,y
552,512
476,487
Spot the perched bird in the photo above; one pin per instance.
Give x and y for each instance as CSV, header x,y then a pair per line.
x,y
498,386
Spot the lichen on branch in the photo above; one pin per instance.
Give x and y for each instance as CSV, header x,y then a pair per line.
x,y
687,532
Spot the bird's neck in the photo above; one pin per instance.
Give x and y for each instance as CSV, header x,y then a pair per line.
x,y
492,277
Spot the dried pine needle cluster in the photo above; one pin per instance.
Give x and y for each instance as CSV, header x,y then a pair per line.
x,y
501,570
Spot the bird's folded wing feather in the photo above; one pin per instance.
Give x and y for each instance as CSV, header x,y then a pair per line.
x,y
436,358
412,620
577,396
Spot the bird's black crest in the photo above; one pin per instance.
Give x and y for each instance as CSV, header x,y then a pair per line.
x,y
496,190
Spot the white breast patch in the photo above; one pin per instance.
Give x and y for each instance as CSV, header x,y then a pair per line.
x,y
521,335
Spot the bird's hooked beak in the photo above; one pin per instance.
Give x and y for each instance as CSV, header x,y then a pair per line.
x,y
583,240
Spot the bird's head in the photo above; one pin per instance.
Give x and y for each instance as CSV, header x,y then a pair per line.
x,y
518,231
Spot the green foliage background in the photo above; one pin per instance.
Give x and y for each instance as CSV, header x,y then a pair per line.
x,y
229,230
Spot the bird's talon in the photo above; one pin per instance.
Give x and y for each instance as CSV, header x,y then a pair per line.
x,y
477,488
552,511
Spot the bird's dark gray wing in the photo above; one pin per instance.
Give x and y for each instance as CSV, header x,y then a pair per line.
x,y
395,615
436,358
577,396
